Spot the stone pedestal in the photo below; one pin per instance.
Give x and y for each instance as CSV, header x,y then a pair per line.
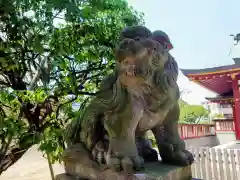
x,y
152,171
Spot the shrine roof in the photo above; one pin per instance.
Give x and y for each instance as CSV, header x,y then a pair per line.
x,y
220,69
225,98
216,79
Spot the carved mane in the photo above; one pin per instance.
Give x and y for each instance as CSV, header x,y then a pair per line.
x,y
111,97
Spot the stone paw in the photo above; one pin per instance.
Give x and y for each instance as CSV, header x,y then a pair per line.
x,y
182,158
99,152
149,154
125,164
190,156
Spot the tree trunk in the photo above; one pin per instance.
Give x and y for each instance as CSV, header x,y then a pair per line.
x,y
11,157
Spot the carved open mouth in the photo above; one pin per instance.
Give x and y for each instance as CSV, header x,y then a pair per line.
x,y
131,70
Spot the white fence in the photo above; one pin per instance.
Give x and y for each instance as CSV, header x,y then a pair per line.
x,y
216,164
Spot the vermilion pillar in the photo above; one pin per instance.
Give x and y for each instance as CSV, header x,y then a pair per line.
x,y
233,111
236,110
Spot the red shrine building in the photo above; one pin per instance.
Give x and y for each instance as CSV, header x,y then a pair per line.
x,y
225,81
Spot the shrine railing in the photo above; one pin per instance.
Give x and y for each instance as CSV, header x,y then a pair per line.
x,y
225,126
189,131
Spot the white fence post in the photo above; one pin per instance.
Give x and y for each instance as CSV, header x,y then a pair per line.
x,y
216,164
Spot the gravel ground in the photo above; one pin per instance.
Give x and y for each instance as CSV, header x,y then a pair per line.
x,y
32,166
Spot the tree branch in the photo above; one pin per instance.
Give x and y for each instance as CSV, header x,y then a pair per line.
x,y
58,108
89,70
86,93
5,105
56,15
37,75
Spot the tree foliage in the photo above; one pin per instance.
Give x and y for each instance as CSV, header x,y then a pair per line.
x,y
52,54
192,113
215,116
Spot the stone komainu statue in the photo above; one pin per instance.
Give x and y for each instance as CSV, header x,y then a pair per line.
x,y
140,95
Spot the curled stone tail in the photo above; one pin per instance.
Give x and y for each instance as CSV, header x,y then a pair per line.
x,y
71,135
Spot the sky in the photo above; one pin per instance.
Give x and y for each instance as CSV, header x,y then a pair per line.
x,y
199,31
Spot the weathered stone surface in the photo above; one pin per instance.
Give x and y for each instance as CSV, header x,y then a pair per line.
x,y
140,95
63,177
153,171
